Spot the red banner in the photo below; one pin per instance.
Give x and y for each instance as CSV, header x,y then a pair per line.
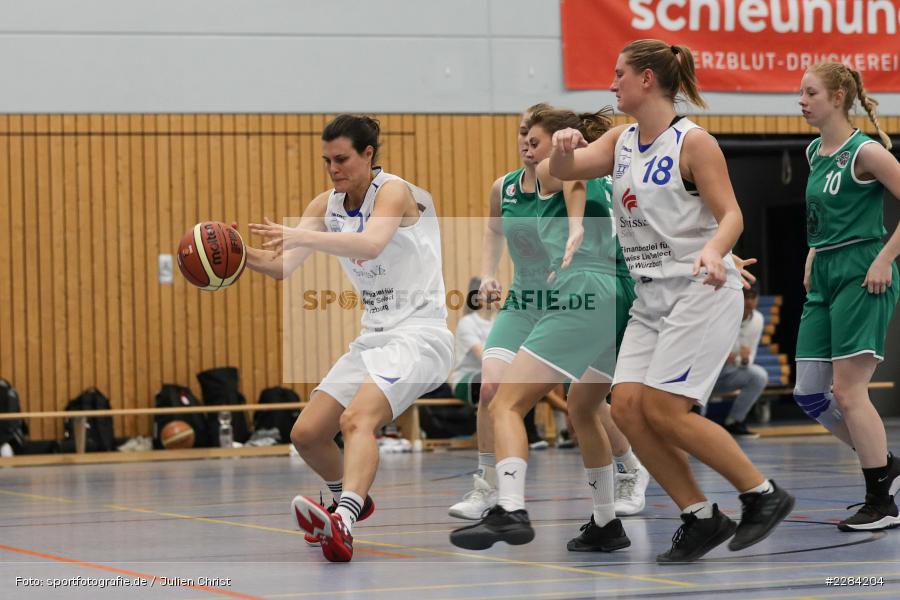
x,y
738,45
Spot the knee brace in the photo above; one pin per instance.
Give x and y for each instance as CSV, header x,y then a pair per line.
x,y
812,393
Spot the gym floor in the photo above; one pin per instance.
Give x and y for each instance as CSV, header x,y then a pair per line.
x,y
223,527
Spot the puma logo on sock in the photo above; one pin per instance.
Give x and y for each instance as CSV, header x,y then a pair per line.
x,y
510,474
593,484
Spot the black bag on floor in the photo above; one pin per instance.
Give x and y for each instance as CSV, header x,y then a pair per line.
x,y
99,436
440,422
13,432
283,420
171,396
220,386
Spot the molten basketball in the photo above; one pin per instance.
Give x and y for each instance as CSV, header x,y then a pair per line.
x,y
211,255
177,434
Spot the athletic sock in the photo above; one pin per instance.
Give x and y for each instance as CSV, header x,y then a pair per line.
x,y
511,483
486,468
603,492
878,481
764,488
702,510
629,460
336,488
349,508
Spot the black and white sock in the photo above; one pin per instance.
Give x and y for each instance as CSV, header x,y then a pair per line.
x,y
349,508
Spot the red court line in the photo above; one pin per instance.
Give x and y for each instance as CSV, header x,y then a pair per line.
x,y
90,565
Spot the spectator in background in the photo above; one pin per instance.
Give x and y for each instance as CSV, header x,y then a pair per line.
x,y
739,373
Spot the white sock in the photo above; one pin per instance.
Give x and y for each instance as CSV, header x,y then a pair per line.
x,y
511,483
349,508
764,488
630,461
703,510
336,488
486,468
603,491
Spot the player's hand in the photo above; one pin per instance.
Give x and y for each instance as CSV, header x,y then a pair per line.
x,y
281,238
567,140
576,236
747,278
715,268
490,290
878,278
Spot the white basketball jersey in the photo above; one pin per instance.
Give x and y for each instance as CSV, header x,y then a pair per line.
x,y
662,225
405,281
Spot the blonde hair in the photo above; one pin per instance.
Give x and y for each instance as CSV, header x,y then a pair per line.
x,y
591,124
837,76
672,65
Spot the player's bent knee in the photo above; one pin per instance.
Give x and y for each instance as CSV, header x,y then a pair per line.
x,y
305,436
626,412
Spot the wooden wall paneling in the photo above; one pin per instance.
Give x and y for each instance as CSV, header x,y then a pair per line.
x,y
154,323
266,304
300,185
19,374
210,165
238,327
188,168
30,281
98,241
44,257
113,264
124,203
274,295
139,264
174,172
7,278
168,237
86,250
221,193
252,300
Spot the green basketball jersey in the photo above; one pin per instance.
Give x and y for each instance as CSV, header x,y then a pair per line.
x,y
598,249
839,207
519,210
602,188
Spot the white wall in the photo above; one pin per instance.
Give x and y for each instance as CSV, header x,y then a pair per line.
x,y
464,56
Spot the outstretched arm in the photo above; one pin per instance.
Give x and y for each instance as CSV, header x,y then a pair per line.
x,y
280,266
392,200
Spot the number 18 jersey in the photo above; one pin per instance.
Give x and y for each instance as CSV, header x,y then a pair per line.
x,y
662,222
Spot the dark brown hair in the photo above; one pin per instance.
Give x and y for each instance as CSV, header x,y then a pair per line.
x,y
361,130
591,125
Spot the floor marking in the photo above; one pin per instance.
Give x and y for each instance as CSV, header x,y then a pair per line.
x,y
135,574
37,497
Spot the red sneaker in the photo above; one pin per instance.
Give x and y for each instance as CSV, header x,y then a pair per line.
x,y
367,510
328,528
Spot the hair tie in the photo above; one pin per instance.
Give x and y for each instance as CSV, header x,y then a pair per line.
x,y
674,49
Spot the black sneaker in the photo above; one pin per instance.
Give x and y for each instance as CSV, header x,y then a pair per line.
x,y
498,525
739,430
696,537
599,539
876,513
760,515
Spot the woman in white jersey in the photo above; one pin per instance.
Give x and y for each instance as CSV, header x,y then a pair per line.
x,y
385,232
677,221
851,282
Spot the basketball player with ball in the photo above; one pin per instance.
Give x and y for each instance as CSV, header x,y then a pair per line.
x,y
385,233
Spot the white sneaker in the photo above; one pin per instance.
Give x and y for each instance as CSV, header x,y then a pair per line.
x,y
476,501
631,488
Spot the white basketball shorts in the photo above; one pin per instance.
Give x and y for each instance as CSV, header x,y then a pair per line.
x,y
679,336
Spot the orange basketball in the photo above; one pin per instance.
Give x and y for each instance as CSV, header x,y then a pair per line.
x,y
177,434
211,255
